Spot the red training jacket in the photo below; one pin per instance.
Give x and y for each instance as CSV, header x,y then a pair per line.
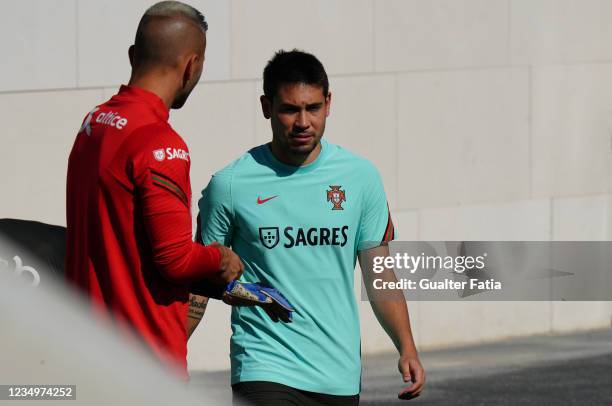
x,y
129,242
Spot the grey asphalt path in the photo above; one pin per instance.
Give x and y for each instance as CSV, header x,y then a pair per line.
x,y
573,369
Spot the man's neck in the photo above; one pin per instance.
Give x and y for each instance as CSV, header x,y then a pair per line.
x,y
293,159
155,84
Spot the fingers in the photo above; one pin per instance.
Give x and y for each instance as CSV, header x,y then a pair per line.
x,y
241,269
239,266
278,298
277,313
406,395
286,317
270,313
406,375
280,305
283,314
412,370
403,367
419,376
410,392
231,265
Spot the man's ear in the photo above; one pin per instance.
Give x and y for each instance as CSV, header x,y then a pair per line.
x,y
131,55
266,106
189,72
328,103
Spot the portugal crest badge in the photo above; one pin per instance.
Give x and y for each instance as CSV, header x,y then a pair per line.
x,y
269,236
336,196
159,155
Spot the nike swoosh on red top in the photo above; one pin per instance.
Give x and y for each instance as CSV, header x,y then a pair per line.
x,y
262,201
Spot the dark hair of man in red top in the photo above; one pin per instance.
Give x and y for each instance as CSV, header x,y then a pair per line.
x,y
129,243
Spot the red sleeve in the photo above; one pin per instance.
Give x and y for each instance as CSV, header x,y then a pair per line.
x,y
161,176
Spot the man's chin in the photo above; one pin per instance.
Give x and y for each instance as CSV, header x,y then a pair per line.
x,y
301,150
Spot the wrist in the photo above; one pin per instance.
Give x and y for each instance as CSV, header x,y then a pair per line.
x,y
408,351
216,251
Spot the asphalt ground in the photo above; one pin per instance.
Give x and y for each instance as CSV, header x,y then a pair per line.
x,y
573,369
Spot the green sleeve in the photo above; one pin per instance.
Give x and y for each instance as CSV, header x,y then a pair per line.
x,y
376,226
216,210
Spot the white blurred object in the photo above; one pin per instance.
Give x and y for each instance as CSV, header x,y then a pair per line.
x,y
47,338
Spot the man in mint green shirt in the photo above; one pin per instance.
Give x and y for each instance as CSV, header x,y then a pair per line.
x,y
300,211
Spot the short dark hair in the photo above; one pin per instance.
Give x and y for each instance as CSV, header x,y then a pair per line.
x,y
168,8
293,67
152,47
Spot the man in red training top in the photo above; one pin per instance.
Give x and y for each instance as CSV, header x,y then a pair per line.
x,y
129,241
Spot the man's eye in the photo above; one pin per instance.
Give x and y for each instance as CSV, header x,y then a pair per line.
x,y
288,110
314,108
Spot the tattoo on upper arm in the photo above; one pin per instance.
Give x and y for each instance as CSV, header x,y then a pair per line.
x,y
197,306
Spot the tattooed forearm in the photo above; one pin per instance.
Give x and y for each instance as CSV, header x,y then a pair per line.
x,y
197,307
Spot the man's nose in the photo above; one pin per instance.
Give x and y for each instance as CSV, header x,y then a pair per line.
x,y
302,120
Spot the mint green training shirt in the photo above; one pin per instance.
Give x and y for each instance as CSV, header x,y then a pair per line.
x,y
298,229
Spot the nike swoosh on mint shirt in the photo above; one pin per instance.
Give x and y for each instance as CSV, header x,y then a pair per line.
x,y
262,201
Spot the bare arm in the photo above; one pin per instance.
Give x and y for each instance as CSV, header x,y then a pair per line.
x,y
197,308
390,309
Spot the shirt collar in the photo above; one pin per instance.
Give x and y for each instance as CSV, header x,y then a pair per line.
x,y
150,98
290,169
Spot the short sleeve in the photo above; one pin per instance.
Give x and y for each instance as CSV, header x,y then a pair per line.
x,y
376,226
216,210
